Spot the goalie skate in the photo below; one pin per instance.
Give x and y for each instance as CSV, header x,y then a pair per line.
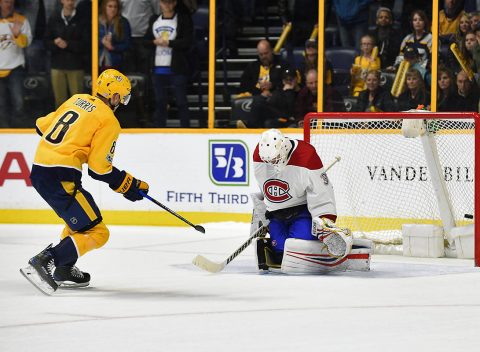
x,y
70,277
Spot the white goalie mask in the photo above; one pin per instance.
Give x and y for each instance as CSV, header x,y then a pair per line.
x,y
274,148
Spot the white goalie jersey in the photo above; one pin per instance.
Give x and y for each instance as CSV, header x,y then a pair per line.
x,y
302,181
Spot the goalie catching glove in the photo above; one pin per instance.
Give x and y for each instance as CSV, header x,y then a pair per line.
x,y
130,187
337,240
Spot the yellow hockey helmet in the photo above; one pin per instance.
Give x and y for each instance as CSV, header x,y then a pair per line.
x,y
112,81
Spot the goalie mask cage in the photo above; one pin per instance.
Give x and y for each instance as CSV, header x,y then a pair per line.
x,y
385,180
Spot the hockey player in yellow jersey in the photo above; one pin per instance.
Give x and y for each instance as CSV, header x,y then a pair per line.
x,y
83,130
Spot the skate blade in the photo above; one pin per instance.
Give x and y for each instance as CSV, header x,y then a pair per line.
x,y
32,276
65,285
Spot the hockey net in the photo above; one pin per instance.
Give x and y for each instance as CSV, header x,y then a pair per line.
x,y
382,180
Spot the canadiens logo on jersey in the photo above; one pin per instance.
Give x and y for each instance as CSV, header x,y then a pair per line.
x,y
276,191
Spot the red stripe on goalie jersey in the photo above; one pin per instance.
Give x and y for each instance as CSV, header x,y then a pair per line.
x,y
304,155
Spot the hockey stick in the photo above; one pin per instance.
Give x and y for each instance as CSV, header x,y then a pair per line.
x,y
196,227
337,159
213,267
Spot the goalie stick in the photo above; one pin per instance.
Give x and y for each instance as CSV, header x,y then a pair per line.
x,y
196,227
213,267
337,159
208,265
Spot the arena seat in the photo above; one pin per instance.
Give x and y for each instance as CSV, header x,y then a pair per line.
x,y
241,108
332,37
38,96
341,58
350,103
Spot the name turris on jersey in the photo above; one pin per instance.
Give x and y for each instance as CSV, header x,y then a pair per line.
x,y
85,105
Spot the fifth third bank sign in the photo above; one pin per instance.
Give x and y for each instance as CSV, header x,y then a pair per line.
x,y
228,163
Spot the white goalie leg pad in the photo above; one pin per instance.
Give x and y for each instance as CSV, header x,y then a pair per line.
x,y
312,257
359,257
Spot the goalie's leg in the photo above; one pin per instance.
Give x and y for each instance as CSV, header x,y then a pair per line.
x,y
312,257
269,251
267,258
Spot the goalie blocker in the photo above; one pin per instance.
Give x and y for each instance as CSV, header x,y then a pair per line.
x,y
311,257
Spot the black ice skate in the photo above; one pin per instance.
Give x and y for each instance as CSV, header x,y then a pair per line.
x,y
70,277
39,272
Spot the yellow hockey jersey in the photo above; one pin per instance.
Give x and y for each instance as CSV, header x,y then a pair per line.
x,y
83,130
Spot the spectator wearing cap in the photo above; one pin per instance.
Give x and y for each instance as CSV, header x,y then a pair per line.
x,y
386,38
412,55
363,63
420,38
278,110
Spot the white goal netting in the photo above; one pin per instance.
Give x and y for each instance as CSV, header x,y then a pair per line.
x,y
382,180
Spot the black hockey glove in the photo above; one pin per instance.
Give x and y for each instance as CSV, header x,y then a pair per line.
x,y
130,187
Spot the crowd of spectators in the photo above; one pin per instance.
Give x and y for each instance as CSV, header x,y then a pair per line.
x,y
381,45
53,38
154,38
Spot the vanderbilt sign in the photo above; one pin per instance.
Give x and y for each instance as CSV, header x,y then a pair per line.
x,y
418,173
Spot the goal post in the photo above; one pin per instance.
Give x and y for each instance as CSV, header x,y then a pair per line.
x,y
388,178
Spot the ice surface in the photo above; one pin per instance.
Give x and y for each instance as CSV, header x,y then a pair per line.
x,y
145,295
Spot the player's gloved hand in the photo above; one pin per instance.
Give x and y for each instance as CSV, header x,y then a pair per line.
x,y
258,214
130,187
133,192
337,239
